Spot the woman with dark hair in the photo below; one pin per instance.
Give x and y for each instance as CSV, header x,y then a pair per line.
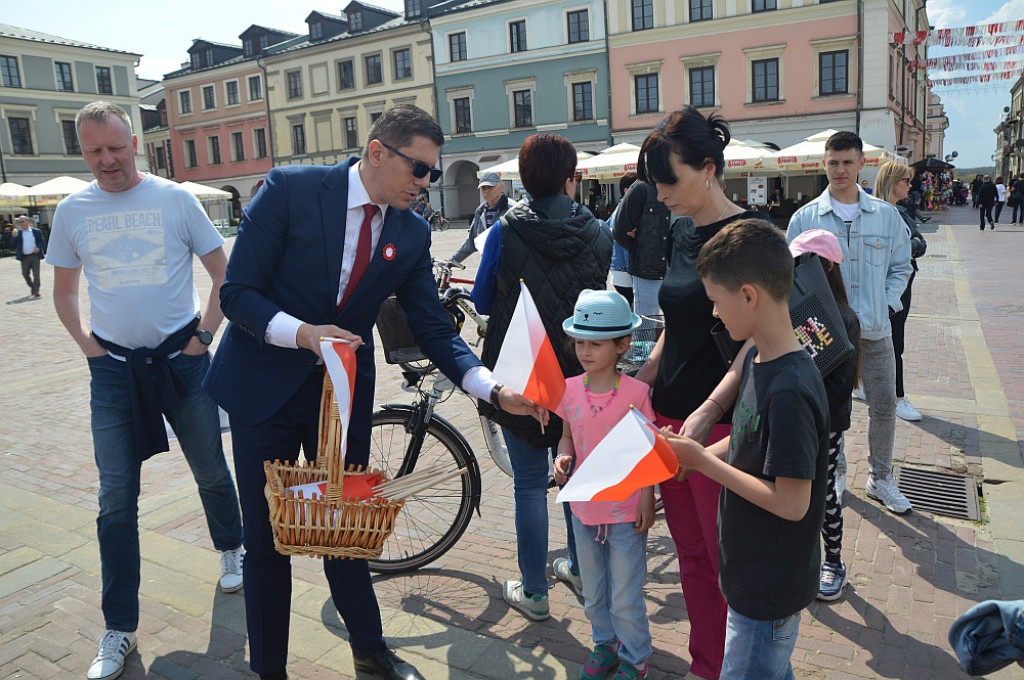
x,y
892,185
558,248
694,387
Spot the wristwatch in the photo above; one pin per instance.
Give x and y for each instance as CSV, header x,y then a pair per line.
x,y
495,391
205,337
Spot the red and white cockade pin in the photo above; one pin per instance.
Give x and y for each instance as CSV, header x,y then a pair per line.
x,y
389,252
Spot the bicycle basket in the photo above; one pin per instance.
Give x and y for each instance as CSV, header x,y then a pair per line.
x,y
644,339
395,336
326,526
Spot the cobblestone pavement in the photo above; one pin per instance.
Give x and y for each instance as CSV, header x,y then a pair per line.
x,y
909,576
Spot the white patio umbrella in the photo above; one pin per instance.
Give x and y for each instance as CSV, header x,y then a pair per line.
x,y
741,157
12,194
615,161
510,169
203,191
53,191
807,157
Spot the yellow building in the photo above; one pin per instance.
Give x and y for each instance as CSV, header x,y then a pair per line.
x,y
327,90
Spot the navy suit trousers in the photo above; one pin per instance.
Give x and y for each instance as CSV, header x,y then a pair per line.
x,y
268,586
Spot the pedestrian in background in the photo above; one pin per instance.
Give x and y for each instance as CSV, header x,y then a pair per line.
x,y
988,193
642,227
494,205
1000,198
29,249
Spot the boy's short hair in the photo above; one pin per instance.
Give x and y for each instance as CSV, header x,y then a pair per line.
x,y
748,251
844,140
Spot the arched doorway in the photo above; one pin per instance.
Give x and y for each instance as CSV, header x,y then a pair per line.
x,y
460,193
235,200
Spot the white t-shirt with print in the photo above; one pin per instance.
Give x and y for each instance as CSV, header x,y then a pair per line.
x,y
136,250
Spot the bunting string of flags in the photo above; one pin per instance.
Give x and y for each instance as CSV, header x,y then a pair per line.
x,y
968,80
1000,34
954,61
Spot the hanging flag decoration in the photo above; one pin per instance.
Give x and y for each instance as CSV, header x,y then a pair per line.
x,y
527,362
633,455
999,35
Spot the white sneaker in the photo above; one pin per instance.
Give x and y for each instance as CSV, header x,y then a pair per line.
x,y
231,570
561,568
840,485
858,393
109,661
886,492
906,411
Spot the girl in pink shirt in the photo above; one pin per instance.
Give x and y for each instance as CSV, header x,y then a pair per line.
x,y
611,537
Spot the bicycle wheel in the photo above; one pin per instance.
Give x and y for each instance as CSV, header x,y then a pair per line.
x,y
431,522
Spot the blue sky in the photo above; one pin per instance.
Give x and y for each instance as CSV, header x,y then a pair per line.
x,y
163,33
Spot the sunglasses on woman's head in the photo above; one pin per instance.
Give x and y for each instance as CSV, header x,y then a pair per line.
x,y
419,168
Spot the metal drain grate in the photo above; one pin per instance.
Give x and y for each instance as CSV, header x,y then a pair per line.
x,y
939,492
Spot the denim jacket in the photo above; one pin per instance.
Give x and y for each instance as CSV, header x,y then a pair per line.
x,y
876,256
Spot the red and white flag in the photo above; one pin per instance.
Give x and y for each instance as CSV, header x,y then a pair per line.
x,y
340,359
527,362
633,455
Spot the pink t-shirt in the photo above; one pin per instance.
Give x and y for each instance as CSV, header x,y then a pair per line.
x,y
589,428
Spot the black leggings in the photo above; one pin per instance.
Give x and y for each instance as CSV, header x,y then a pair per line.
x,y
899,325
986,212
832,527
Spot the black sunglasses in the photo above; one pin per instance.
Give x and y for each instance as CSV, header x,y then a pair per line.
x,y
419,168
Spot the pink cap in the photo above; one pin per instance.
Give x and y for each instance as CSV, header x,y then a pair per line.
x,y
822,243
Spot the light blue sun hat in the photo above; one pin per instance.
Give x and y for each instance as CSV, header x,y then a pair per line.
x,y
601,315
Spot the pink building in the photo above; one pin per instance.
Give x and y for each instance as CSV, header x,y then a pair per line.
x,y
776,70
217,115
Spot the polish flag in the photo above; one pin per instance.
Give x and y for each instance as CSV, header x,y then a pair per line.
x,y
633,455
340,360
527,361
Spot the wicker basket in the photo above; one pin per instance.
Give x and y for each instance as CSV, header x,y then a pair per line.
x,y
326,526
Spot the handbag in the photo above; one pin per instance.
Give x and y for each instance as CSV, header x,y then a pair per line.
x,y
815,316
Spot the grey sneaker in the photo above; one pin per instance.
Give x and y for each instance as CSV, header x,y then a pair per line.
x,y
906,411
534,606
561,568
888,494
109,661
231,570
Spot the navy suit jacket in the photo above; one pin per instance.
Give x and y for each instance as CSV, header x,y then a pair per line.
x,y
287,257
40,242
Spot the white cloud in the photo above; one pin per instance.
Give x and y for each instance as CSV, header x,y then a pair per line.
x,y
1010,11
948,13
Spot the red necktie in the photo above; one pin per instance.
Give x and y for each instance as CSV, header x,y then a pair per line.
x,y
362,261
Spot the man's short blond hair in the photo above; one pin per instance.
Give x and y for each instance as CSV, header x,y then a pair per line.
x,y
100,112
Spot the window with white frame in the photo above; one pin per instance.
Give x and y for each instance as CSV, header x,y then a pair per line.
x,y
259,143
645,93
255,88
209,98
346,75
582,101
457,46
298,139
463,115
9,74
522,104
65,83
402,60
517,36
231,93
374,71
185,101
350,126
702,86
833,70
765,74
763,5
70,134
701,10
103,82
578,25
191,158
237,146
21,135
213,148
294,79
643,14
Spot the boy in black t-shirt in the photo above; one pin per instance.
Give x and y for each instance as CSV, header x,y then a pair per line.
x,y
773,467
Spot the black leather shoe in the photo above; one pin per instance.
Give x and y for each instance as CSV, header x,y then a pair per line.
x,y
386,664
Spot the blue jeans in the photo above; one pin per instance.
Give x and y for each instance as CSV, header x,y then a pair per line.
x,y
759,650
613,564
530,488
645,296
196,423
878,378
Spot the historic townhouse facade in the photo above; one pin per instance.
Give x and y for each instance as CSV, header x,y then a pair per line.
x,y
327,89
506,70
217,115
44,81
777,70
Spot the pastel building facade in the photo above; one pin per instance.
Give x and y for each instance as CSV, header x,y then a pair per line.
x,y
777,70
44,81
217,115
507,70
326,90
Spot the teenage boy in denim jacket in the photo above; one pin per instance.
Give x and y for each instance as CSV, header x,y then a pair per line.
x,y
876,267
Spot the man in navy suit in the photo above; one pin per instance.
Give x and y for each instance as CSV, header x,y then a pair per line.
x,y
287,284
29,249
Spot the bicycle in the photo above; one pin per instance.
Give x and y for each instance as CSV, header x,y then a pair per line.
x,y
407,436
438,221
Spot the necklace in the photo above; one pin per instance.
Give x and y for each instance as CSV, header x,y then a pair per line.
x,y
586,388
722,214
